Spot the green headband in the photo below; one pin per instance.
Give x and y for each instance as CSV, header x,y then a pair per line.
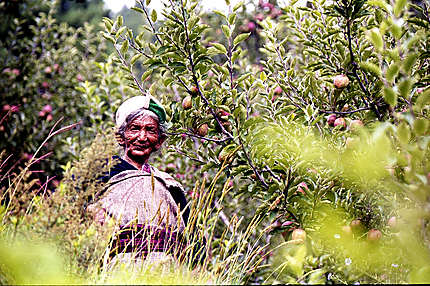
x,y
157,109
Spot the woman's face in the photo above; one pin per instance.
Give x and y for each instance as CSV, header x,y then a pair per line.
x,y
141,138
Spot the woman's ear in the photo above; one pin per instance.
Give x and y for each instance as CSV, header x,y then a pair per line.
x,y
161,140
119,139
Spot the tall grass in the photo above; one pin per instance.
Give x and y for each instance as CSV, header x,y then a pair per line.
x,y
48,237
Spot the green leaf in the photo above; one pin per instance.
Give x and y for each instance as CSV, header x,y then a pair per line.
x,y
154,15
119,21
396,30
219,13
390,96
243,77
403,133
232,18
405,88
423,99
135,58
124,47
155,64
392,71
192,22
120,31
420,126
226,31
108,25
399,6
371,67
237,6
241,38
379,3
109,38
263,76
235,55
162,50
376,38
219,47
137,9
409,62
147,2
145,75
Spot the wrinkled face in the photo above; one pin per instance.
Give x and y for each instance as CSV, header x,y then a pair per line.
x,y
141,138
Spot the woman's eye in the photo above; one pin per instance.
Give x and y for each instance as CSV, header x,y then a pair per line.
x,y
134,128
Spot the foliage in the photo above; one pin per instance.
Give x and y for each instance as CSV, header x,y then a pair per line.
x,y
78,13
272,118
254,140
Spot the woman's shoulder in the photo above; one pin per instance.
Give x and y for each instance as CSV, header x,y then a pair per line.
x,y
167,178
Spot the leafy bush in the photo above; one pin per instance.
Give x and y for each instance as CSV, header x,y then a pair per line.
x,y
313,151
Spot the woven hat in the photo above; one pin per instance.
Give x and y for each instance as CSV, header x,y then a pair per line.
x,y
137,102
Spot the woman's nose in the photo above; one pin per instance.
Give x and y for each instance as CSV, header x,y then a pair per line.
x,y
142,135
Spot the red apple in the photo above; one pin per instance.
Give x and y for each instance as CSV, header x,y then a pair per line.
x,y
340,81
374,235
356,224
194,90
187,102
203,130
355,124
347,230
299,234
331,119
392,222
340,122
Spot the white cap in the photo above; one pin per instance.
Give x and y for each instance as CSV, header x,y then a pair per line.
x,y
129,106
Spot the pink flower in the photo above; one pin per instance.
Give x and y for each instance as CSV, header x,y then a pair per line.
x,y
275,13
42,113
79,77
47,108
251,26
6,70
48,69
16,72
6,107
49,117
56,66
277,90
259,17
180,176
45,84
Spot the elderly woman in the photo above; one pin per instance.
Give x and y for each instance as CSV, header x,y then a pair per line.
x,y
148,204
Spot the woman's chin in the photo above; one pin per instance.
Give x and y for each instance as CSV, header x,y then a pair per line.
x,y
139,155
